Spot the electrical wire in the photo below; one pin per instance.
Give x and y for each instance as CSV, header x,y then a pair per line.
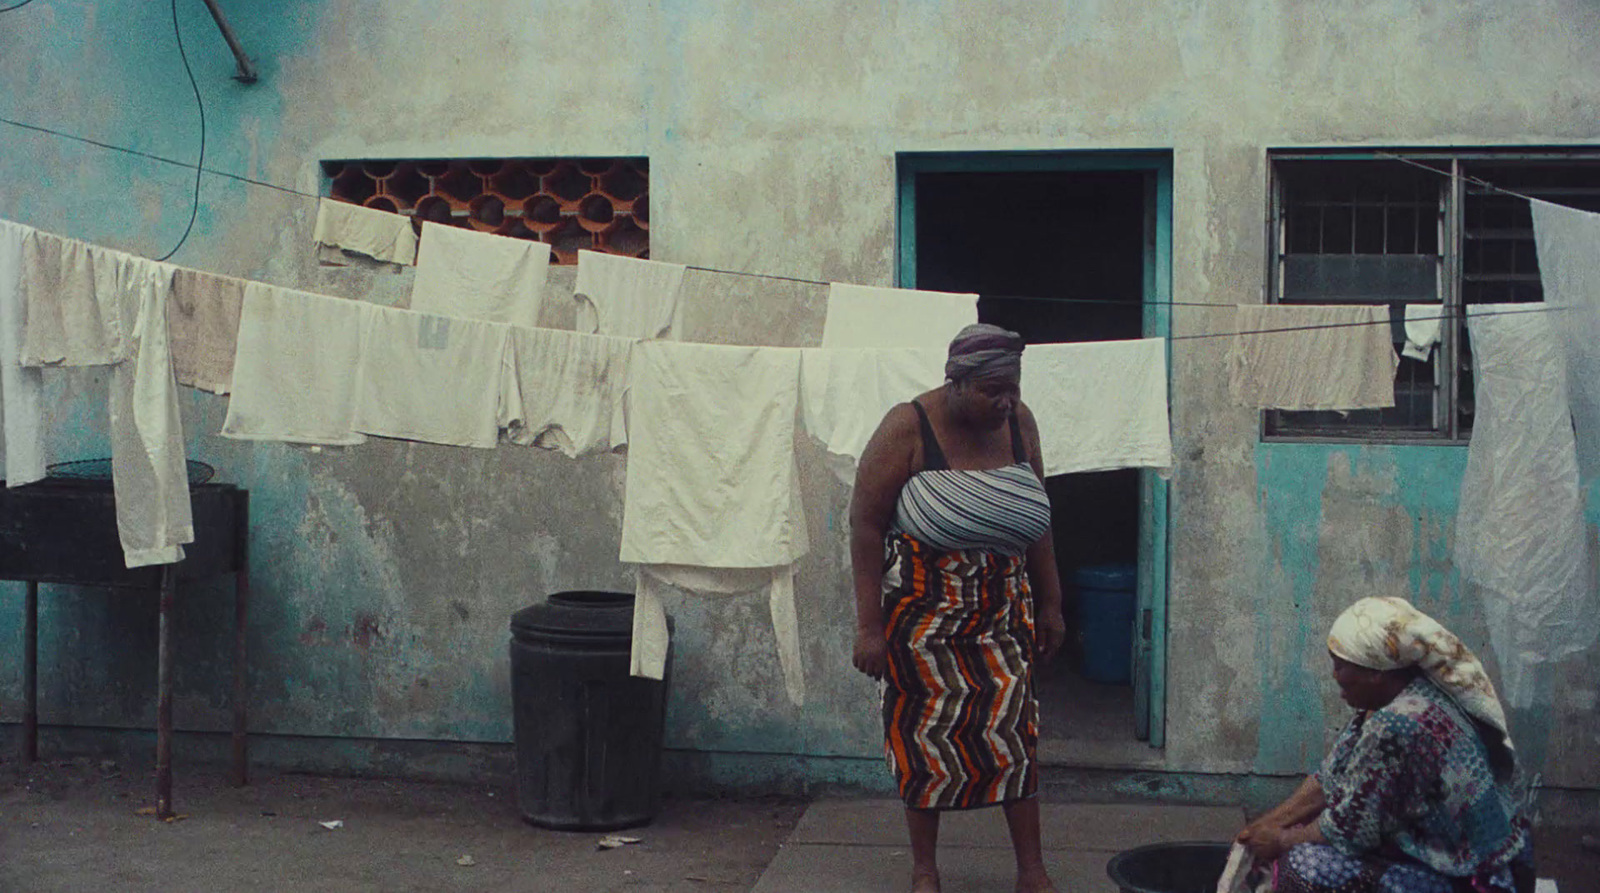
x,y
15,6
199,166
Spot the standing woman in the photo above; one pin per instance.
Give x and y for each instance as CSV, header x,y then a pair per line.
x,y
957,596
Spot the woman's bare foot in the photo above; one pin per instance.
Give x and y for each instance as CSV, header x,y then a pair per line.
x,y
1035,880
925,882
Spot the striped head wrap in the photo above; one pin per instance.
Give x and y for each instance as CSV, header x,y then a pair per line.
x,y
982,350
1391,634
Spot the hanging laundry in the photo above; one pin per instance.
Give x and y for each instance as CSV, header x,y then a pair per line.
x,y
625,296
1521,541
473,275
294,374
711,471
564,390
203,327
1568,242
431,378
74,297
149,468
1099,404
21,388
648,655
380,235
845,393
1422,330
1321,356
865,316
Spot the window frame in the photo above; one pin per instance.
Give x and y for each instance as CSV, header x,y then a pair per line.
x,y
1448,428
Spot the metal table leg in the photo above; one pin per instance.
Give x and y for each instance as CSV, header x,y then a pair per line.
x,y
30,674
169,585
241,745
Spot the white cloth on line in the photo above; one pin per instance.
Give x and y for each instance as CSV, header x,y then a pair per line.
x,y
431,378
149,467
74,295
1568,242
1099,404
294,375
650,632
1312,356
21,387
845,393
473,275
564,390
867,316
203,327
380,235
1422,330
711,478
1521,540
627,296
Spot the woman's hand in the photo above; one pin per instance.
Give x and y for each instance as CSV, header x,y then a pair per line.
x,y
872,652
1267,841
1049,632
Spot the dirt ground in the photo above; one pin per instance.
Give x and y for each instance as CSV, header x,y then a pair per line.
x,y
73,825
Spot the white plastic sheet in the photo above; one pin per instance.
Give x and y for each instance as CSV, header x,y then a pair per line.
x,y
1521,541
1569,269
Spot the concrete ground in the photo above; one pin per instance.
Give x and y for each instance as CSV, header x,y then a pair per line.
x,y
75,825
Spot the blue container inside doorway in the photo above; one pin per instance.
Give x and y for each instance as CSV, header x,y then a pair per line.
x,y
1107,603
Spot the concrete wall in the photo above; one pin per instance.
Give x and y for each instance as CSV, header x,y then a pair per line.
x,y
386,572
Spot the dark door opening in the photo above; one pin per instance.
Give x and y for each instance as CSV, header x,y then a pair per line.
x,y
1056,256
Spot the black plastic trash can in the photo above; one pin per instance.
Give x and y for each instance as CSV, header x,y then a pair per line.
x,y
588,734
1169,868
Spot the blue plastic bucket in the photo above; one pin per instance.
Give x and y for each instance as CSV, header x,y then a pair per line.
x,y
1107,604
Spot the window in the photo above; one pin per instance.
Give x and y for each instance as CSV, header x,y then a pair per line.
x,y
1368,228
598,204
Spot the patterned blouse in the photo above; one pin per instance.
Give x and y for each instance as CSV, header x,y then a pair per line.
x,y
1415,777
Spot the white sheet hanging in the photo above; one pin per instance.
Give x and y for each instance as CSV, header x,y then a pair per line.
x,y
148,462
294,376
867,316
626,296
845,393
74,295
1521,541
21,388
473,275
564,390
1569,269
430,378
380,235
203,326
1422,322
1318,356
1099,404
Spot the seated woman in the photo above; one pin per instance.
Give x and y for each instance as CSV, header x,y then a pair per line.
x,y
1416,794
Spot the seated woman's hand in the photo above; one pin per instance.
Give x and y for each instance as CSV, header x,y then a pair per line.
x,y
1265,842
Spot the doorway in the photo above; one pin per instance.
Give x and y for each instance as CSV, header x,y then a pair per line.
x,y
1067,247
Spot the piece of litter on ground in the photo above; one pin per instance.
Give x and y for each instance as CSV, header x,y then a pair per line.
x,y
332,824
175,817
696,877
145,810
612,841
268,812
466,861
1545,885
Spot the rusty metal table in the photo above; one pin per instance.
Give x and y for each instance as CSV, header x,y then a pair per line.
x,y
65,531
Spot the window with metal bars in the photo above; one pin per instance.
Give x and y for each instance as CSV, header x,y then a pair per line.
x,y
1370,228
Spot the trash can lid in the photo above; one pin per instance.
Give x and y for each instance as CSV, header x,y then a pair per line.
x,y
578,613
1106,576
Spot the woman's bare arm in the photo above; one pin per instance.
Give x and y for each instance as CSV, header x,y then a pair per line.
x,y
884,469
1043,576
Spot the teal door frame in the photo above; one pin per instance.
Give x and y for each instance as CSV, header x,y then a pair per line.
x,y
1150,649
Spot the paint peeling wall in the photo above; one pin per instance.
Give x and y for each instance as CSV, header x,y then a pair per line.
x,y
385,573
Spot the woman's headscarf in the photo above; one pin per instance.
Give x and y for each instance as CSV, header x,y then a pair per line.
x,y
982,350
1391,634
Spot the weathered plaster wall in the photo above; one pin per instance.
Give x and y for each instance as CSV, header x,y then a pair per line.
x,y
385,573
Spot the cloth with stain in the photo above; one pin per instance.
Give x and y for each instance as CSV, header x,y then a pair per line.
x,y
381,235
74,297
294,374
149,467
431,378
466,274
1099,404
564,390
1319,356
868,316
626,296
845,393
21,387
203,327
